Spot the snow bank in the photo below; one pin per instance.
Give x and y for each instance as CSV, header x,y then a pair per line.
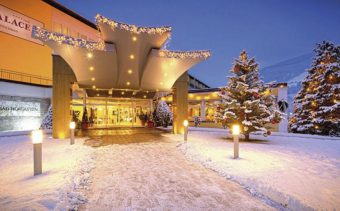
x,y
65,173
297,172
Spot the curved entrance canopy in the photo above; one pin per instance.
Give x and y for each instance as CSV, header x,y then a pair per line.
x,y
126,57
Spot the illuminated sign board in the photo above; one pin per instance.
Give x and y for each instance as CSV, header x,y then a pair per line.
x,y
17,24
15,108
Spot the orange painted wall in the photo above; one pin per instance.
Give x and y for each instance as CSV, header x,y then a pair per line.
x,y
23,56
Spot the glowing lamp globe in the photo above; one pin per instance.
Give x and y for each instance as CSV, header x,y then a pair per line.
x,y
72,125
235,129
185,123
37,136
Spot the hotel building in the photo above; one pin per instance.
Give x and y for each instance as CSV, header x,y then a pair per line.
x,y
52,55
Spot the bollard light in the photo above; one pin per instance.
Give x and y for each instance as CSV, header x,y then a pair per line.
x,y
37,138
236,132
72,127
185,124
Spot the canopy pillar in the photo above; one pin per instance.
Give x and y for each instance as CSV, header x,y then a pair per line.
x,y
180,103
63,77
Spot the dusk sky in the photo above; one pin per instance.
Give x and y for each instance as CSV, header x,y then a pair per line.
x,y
270,30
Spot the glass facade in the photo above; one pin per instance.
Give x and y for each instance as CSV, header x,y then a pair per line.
x,y
106,113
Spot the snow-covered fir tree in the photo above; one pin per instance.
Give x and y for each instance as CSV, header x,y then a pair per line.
x,y
246,100
162,114
317,104
47,120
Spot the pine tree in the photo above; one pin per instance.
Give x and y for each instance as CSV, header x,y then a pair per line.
x,y
163,114
85,118
47,120
317,104
246,100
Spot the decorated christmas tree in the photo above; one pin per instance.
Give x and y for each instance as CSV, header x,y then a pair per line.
x,y
47,120
162,114
317,104
246,100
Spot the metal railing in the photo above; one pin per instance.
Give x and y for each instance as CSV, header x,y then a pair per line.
x,y
24,78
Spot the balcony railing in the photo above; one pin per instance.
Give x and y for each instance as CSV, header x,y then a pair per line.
x,y
24,78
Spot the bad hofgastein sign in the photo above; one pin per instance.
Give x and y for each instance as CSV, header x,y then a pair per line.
x,y
15,108
17,24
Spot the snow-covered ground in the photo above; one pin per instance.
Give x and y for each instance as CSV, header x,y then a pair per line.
x,y
301,172
65,174
154,175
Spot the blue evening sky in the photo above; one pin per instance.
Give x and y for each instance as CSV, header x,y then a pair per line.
x,y
270,30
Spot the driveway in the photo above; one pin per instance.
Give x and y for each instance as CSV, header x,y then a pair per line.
x,y
143,170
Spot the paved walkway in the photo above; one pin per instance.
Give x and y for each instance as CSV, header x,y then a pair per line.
x,y
145,171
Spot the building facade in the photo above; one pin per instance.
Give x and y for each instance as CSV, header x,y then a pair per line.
x,y
33,69
29,65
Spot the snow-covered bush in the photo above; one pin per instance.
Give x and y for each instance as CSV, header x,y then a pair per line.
x,y
162,114
47,120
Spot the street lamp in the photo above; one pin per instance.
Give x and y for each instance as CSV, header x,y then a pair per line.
x,y
236,133
37,138
185,124
72,127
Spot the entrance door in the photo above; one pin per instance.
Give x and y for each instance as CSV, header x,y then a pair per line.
x,y
108,113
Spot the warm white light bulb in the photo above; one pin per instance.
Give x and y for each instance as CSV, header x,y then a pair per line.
x,y
72,125
37,136
89,55
236,130
185,123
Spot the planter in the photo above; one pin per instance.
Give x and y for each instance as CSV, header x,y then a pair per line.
x,y
84,125
151,124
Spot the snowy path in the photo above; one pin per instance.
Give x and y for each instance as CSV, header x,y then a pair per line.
x,y
298,171
156,176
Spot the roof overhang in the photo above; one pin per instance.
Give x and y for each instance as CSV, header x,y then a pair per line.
x,y
126,57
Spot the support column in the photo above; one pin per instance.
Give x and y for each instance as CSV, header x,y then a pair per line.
x,y
180,103
202,114
63,77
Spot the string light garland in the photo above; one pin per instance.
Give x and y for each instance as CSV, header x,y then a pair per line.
x,y
184,54
132,28
44,35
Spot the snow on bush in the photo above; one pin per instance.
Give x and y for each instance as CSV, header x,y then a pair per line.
x,y
163,114
47,120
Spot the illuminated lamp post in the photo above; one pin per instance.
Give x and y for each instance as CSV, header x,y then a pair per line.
x,y
236,133
72,127
185,124
37,138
